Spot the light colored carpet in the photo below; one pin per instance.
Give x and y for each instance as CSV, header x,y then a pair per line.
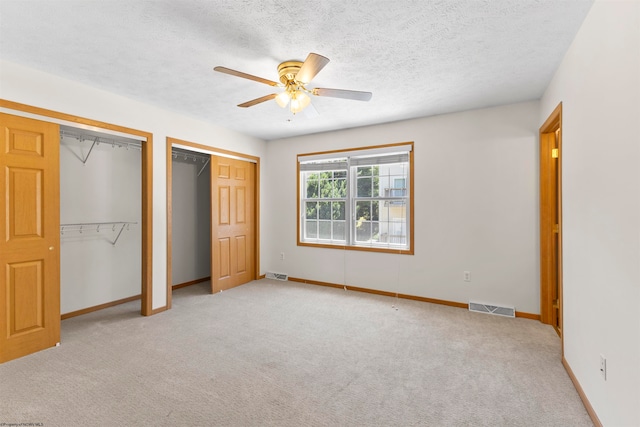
x,y
286,354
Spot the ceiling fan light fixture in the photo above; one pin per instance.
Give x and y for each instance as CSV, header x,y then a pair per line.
x,y
299,101
295,106
283,99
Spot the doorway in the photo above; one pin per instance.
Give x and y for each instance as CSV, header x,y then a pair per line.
x,y
30,294
190,218
100,218
233,215
551,220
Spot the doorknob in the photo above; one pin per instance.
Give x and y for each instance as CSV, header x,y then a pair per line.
x,y
50,248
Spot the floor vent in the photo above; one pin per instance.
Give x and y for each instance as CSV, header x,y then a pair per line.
x,y
277,276
492,309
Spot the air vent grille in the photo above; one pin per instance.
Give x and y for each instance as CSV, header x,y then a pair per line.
x,y
277,276
492,309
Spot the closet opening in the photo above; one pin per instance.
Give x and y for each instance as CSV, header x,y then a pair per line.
x,y
213,217
34,138
100,220
190,218
145,203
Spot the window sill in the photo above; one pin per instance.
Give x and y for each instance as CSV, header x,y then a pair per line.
x,y
396,251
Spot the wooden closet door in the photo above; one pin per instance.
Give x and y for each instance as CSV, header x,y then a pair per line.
x,y
232,222
30,242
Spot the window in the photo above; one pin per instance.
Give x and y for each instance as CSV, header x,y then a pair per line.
x,y
357,199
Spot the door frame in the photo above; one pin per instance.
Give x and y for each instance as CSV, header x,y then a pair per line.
x,y
548,193
24,110
216,152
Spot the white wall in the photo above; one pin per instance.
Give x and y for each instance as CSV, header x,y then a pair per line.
x,y
33,87
598,84
476,209
190,222
107,188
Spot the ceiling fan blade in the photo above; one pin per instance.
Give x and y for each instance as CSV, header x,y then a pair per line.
x,y
341,93
310,111
311,66
257,100
229,71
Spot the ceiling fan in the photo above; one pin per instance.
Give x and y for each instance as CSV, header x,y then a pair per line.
x,y
294,76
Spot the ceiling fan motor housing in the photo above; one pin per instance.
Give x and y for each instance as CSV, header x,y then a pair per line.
x,y
288,70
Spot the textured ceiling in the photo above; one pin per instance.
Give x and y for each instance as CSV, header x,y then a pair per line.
x,y
419,58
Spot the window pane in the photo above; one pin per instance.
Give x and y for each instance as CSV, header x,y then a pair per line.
x,y
324,210
376,181
375,216
384,182
339,188
338,210
364,171
363,210
363,231
364,187
312,186
338,230
312,210
324,230
397,210
312,229
394,227
375,232
340,174
326,189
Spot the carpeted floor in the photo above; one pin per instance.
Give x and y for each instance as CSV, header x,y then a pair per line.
x,y
275,353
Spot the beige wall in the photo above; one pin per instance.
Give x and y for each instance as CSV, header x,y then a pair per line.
x,y
476,209
598,84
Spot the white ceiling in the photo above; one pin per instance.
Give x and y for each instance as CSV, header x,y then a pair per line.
x,y
418,57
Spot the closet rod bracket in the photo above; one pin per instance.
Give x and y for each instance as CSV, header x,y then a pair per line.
x,y
120,232
204,166
84,161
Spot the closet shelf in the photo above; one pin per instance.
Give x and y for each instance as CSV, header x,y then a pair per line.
x,y
193,156
96,139
116,227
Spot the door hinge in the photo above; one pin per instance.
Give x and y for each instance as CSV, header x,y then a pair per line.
x,y
556,228
554,153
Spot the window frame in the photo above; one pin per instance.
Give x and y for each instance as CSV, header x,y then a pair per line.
x,y
350,198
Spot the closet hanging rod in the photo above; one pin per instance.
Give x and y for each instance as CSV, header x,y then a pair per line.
x,y
116,226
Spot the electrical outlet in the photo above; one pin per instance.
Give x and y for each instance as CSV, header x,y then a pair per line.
x,y
282,255
467,276
603,367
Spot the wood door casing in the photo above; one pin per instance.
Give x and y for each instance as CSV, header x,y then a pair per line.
x,y
30,245
232,222
147,187
551,301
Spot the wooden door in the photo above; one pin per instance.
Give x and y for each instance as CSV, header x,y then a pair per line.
x,y
551,223
30,243
232,223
